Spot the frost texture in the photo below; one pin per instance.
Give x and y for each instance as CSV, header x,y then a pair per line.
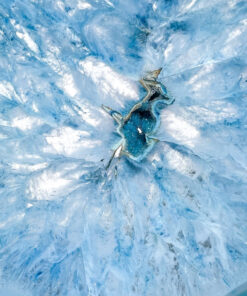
x,y
175,224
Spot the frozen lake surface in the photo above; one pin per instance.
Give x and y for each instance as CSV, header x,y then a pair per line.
x,y
173,224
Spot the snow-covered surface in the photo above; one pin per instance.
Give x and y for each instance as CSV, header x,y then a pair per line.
x,y
174,224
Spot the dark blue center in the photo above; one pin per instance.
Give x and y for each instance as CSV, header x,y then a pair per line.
x,y
141,123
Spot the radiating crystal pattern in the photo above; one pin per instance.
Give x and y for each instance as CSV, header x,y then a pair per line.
x,y
174,223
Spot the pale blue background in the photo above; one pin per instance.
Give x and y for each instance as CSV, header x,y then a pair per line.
x,y
174,224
